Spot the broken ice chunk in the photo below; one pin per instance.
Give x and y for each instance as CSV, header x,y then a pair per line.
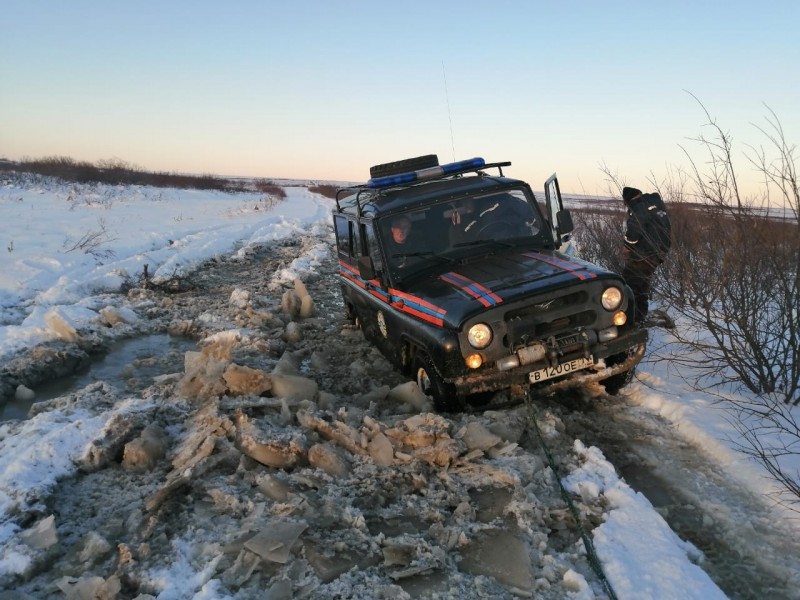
x,y
293,334
270,448
24,394
341,433
61,324
239,299
500,554
290,303
95,546
381,450
398,554
243,380
113,315
329,563
280,590
294,387
42,535
476,436
274,488
90,588
274,543
410,393
307,308
329,458
143,453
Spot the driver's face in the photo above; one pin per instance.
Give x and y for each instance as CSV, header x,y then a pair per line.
x,y
400,230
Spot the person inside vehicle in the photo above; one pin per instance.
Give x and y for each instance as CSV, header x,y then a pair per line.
x,y
647,242
469,217
403,243
401,229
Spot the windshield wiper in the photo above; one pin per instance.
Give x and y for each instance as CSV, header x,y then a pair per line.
x,y
424,254
479,242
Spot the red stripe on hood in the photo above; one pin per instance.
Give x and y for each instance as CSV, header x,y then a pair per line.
x,y
578,272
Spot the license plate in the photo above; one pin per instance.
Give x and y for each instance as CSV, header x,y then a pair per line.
x,y
562,369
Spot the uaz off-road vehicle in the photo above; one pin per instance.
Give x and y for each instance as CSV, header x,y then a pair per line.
x,y
455,275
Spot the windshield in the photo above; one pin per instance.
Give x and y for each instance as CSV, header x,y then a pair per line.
x,y
450,231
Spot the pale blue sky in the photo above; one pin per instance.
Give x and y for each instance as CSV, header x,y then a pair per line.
x,y
323,90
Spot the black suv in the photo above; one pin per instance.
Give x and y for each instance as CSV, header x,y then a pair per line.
x,y
456,275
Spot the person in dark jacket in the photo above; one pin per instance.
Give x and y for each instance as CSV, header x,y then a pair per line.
x,y
648,237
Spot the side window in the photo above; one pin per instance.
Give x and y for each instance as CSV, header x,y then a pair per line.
x,y
342,235
355,236
373,248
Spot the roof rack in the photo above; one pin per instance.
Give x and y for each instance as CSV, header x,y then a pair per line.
x,y
454,169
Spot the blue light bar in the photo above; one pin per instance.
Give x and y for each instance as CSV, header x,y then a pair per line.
x,y
470,163
429,173
391,180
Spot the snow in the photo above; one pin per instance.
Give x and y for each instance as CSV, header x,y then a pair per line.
x,y
170,230
47,291
632,537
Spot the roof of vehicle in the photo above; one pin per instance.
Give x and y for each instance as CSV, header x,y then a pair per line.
x,y
375,202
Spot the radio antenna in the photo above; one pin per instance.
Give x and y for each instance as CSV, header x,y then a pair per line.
x,y
449,117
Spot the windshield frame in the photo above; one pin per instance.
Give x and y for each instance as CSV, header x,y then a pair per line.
x,y
450,231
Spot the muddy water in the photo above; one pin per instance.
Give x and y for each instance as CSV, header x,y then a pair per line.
x,y
748,552
129,365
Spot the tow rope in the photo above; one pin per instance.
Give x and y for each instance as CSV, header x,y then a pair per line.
x,y
591,555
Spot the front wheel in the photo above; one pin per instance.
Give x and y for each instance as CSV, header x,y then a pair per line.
x,y
616,382
431,384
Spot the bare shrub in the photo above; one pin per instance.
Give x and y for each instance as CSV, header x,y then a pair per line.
x,y
769,432
734,279
598,235
329,191
91,242
266,186
115,171
732,283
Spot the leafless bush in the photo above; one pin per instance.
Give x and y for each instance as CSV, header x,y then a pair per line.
x,y
265,186
733,279
329,191
598,234
115,171
91,242
732,283
769,432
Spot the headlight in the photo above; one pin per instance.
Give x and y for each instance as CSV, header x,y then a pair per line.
x,y
612,298
480,335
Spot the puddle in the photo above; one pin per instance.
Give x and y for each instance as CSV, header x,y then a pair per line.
x,y
129,365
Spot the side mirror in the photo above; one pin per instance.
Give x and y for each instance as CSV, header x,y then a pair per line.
x,y
365,267
564,222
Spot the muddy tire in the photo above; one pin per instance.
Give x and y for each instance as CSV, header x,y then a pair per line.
x,y
350,315
431,384
615,383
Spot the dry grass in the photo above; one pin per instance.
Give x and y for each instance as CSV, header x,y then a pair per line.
x,y
116,172
329,191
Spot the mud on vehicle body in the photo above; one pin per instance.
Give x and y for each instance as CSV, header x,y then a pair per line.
x,y
477,295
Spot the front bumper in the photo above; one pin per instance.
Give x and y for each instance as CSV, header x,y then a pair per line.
x,y
491,379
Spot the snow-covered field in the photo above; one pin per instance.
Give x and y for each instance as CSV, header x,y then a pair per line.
x,y
70,250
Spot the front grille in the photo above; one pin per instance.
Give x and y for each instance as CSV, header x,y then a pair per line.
x,y
549,306
550,316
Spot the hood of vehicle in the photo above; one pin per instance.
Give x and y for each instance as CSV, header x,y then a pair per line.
x,y
463,290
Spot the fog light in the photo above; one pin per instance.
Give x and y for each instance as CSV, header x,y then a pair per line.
x,y
620,318
607,334
474,361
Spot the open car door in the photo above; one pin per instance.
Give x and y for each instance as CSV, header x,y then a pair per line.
x,y
559,217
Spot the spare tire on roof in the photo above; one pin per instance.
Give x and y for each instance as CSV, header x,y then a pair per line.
x,y
404,166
